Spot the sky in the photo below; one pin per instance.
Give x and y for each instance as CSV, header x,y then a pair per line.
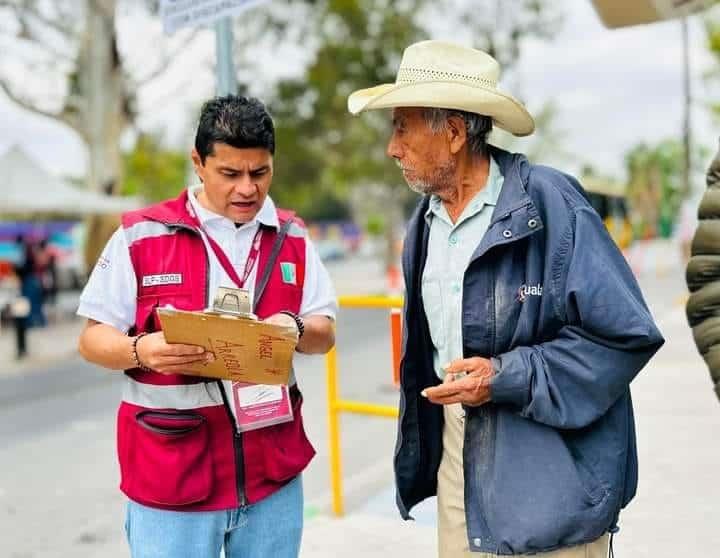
x,y
613,89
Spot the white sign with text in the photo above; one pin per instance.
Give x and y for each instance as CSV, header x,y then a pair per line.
x,y
190,13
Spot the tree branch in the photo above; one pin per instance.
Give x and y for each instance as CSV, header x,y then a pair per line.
x,y
166,61
168,96
37,43
29,9
63,116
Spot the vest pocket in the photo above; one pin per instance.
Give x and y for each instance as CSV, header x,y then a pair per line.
x,y
168,461
287,448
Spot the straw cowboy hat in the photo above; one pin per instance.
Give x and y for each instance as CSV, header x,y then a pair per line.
x,y
445,75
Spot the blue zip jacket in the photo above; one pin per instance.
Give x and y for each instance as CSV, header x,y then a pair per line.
x,y
551,460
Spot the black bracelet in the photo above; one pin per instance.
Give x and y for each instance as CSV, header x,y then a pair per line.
x,y
135,357
298,321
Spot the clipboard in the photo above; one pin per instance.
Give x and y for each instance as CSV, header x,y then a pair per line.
x,y
245,349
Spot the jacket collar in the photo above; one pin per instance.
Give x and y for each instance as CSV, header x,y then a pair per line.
x,y
515,215
515,169
486,196
172,212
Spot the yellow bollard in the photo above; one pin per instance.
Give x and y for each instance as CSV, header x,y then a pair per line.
x,y
334,434
370,301
337,406
371,409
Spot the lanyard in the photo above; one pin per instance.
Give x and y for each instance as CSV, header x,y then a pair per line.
x,y
252,256
249,263
222,257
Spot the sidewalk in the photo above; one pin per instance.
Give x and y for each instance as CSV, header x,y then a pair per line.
x,y
56,341
374,529
363,535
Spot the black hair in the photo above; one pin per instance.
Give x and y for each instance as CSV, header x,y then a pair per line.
x,y
239,121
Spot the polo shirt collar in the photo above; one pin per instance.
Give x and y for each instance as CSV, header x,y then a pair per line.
x,y
489,195
266,216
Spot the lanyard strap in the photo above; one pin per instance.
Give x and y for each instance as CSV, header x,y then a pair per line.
x,y
249,263
260,285
252,258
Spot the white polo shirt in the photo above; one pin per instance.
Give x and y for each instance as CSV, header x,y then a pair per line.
x,y
111,291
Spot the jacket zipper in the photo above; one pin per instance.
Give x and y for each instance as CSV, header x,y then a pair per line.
x,y
237,435
237,447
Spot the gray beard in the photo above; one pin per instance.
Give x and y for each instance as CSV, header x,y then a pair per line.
x,y
440,183
422,187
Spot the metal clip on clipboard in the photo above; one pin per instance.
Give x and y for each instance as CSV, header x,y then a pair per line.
x,y
234,302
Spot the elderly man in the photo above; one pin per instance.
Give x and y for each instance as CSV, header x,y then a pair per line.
x,y
198,481
523,310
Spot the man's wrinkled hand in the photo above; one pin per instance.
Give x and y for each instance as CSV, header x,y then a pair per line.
x,y
169,358
467,381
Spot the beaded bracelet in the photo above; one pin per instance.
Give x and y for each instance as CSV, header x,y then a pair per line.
x,y
135,357
299,323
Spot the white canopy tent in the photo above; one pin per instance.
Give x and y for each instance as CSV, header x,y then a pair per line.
x,y
28,189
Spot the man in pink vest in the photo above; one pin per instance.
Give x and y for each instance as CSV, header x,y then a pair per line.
x,y
196,479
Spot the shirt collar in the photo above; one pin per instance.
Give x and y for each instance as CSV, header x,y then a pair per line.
x,y
489,195
266,216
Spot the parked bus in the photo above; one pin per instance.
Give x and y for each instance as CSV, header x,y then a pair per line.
x,y
608,198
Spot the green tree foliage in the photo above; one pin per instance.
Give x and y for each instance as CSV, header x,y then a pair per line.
x,y
322,151
499,27
712,35
655,186
152,171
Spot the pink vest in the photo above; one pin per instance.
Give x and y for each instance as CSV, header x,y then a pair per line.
x,y
177,442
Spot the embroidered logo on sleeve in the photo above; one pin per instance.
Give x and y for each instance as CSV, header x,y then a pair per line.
x,y
289,274
526,291
164,279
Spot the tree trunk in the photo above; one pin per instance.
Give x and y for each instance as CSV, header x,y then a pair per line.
x,y
105,115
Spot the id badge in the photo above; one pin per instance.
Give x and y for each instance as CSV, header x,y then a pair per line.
x,y
260,405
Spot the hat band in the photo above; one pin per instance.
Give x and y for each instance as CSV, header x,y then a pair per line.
x,y
415,75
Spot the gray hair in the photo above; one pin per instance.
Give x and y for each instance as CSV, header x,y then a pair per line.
x,y
478,126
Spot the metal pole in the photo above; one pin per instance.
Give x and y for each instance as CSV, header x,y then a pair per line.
x,y
226,79
687,107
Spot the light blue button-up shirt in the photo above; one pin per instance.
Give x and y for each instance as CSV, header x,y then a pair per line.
x,y
450,248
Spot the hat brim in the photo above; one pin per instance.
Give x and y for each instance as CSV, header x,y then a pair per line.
x,y
507,113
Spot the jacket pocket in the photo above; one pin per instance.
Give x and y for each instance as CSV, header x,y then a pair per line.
x,y
287,450
167,458
538,493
